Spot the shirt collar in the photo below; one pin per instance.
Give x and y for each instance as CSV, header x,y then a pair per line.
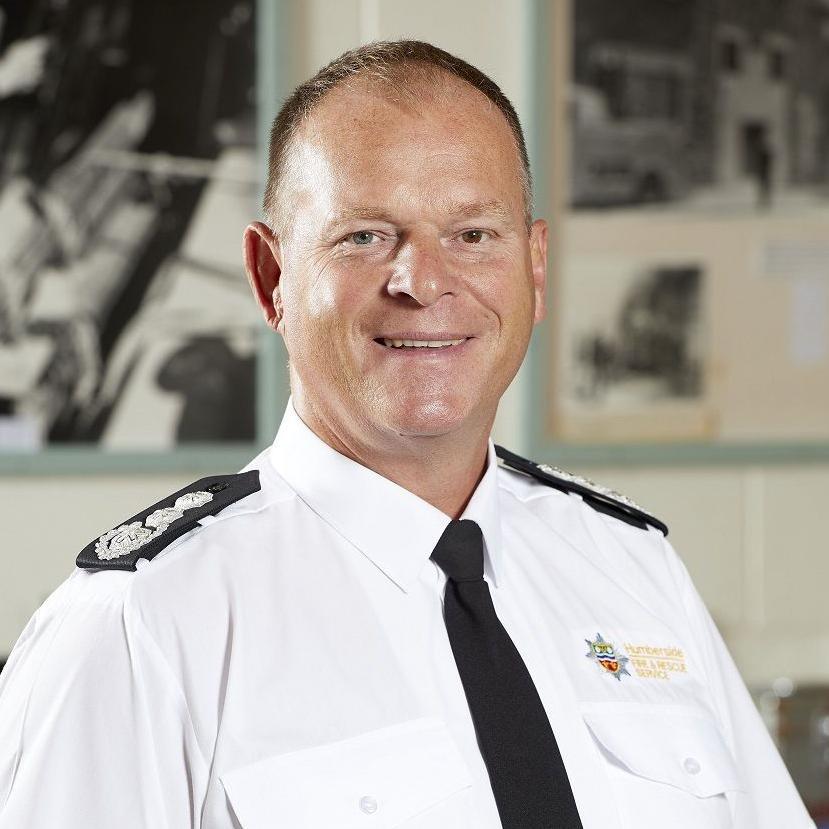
x,y
395,528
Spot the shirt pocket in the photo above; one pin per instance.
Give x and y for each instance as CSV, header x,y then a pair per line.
x,y
666,762
380,778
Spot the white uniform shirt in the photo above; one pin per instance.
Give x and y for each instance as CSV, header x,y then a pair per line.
x,y
287,665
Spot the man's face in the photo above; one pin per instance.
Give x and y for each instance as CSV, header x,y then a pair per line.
x,y
407,226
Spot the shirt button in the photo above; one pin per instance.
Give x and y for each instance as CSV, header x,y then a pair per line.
x,y
692,765
368,805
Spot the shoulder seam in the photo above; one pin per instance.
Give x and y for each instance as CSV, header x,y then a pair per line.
x,y
199,529
132,613
24,718
539,491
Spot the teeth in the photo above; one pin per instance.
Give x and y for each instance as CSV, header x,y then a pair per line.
x,y
421,343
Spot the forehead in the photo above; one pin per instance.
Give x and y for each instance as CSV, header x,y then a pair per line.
x,y
361,141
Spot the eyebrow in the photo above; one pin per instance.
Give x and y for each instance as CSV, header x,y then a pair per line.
x,y
490,207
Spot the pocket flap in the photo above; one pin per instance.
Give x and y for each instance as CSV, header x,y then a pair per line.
x,y
677,745
379,778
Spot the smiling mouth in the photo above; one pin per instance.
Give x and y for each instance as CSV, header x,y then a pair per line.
x,y
405,343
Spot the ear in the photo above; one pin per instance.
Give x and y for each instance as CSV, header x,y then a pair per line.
x,y
538,256
262,253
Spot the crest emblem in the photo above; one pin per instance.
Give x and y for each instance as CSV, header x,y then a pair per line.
x,y
607,657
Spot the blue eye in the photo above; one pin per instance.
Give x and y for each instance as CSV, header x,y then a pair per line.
x,y
361,237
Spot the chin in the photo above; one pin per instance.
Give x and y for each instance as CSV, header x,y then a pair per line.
x,y
427,416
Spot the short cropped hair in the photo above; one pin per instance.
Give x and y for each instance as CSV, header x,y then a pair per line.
x,y
402,69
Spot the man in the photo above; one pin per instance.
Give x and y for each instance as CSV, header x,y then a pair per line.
x,y
375,624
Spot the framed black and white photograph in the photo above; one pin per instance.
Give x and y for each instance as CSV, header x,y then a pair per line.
x,y
128,171
700,104
634,357
688,195
642,342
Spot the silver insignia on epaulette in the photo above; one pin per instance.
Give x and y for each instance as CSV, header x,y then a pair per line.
x,y
122,540
163,517
192,499
131,537
591,485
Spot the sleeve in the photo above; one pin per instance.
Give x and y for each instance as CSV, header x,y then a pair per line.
x,y
771,800
94,729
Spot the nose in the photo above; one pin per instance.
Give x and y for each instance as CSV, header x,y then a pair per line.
x,y
421,272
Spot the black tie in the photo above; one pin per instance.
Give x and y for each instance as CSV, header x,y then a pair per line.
x,y
526,772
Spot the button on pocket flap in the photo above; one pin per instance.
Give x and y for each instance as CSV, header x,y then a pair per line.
x,y
379,778
677,745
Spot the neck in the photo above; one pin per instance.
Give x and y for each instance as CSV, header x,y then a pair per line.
x,y
443,470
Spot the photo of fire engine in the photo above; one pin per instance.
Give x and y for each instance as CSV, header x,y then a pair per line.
x,y
705,104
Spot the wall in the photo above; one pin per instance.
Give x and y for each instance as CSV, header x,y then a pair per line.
x,y
750,535
752,540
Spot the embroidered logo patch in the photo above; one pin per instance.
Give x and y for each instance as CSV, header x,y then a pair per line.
x,y
607,657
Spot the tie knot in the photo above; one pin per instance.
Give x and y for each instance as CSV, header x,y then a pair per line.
x,y
460,551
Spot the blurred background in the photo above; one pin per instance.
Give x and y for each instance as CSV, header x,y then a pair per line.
x,y
680,152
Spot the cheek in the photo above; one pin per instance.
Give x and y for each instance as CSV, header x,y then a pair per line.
x,y
508,296
322,302
323,307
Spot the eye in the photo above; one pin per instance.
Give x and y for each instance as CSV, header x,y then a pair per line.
x,y
361,238
473,236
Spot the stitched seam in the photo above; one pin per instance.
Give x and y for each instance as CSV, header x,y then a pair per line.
x,y
200,529
132,618
543,489
691,620
19,753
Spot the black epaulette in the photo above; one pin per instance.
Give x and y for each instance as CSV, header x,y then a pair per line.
x,y
146,534
599,497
